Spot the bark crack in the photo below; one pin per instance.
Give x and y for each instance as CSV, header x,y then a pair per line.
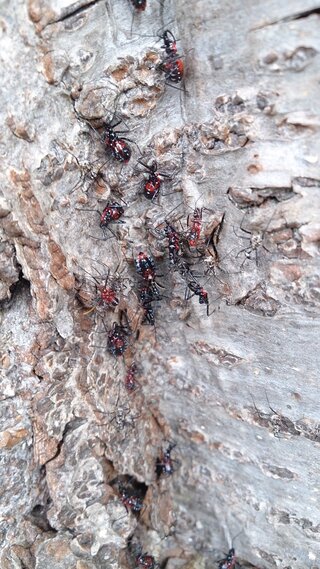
x,y
71,12
69,427
298,16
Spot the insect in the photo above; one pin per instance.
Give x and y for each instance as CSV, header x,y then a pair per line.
x,y
108,297
256,239
132,503
147,295
130,380
112,139
174,244
230,562
149,315
139,5
152,185
87,171
172,65
123,419
169,43
195,223
281,425
184,269
117,342
164,464
106,293
145,267
118,146
146,561
110,214
168,231
173,69
199,291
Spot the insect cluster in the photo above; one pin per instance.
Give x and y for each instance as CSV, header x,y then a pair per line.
x,y
190,244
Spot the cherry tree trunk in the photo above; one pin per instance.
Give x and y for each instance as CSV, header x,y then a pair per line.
x,y
226,382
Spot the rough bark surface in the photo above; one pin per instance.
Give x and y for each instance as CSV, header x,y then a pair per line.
x,y
243,140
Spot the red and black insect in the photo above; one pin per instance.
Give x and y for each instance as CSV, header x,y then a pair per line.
x,y
132,502
108,297
152,185
118,336
110,214
145,267
139,5
147,295
149,292
195,224
172,65
169,43
149,315
173,69
146,561
199,291
118,146
106,293
130,381
229,562
164,464
117,340
174,243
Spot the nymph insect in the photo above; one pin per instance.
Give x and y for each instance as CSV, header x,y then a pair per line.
x,y
139,5
195,224
152,185
145,267
173,69
164,464
174,243
132,503
200,292
172,65
117,145
230,561
169,43
146,561
256,239
130,381
106,289
112,213
117,341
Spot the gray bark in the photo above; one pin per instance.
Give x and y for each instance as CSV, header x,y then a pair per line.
x,y
243,140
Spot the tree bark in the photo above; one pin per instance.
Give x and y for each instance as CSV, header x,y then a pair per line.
x,y
235,391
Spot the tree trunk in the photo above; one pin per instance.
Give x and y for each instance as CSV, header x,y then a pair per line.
x,y
235,391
